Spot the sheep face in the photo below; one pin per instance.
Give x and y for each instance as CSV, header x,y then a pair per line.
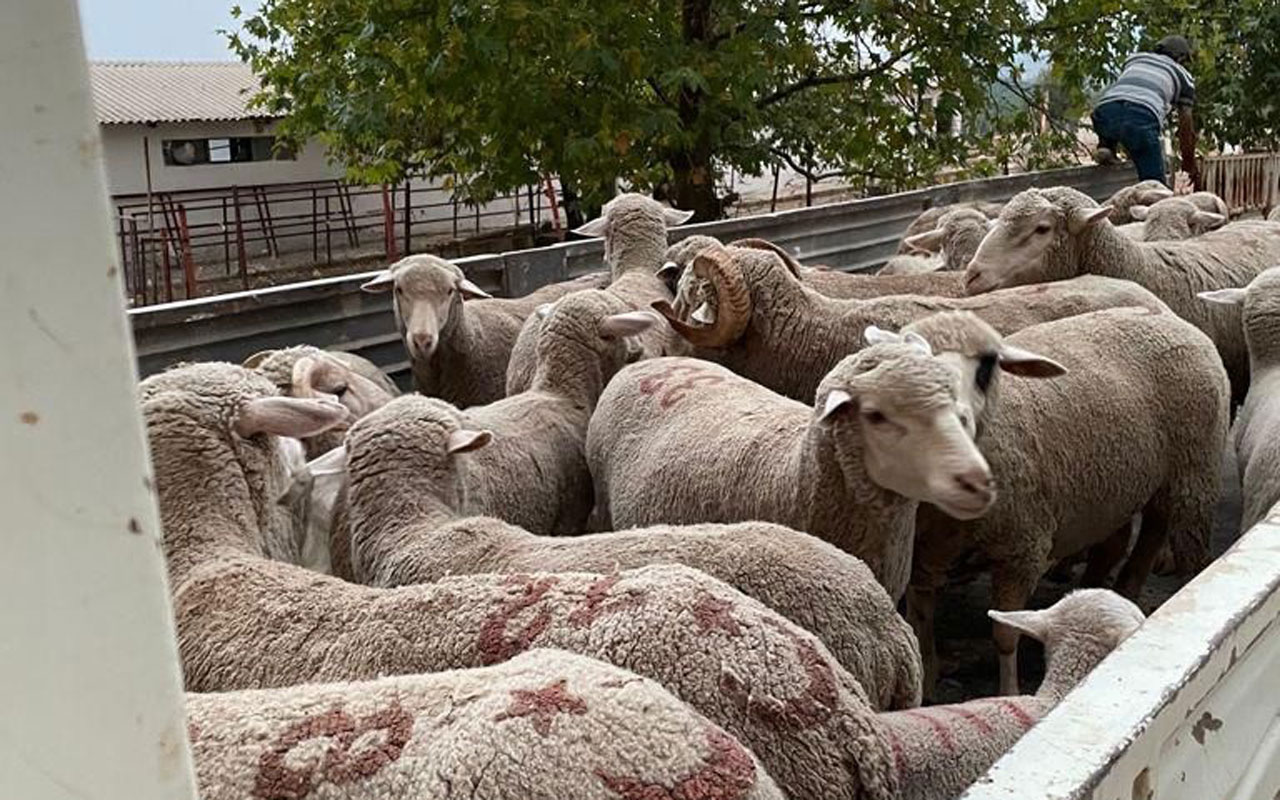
x,y
591,326
224,420
894,406
306,371
957,237
1035,240
1175,218
428,299
1097,615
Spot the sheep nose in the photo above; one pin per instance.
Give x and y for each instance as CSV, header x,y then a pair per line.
x,y
975,482
424,343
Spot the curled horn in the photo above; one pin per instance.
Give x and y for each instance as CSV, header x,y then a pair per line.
x,y
303,377
765,244
255,360
716,265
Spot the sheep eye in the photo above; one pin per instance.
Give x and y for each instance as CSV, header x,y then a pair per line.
x,y
986,370
340,389
875,417
1043,228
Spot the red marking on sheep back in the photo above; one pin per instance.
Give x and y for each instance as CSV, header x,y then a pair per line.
x,y
940,731
895,744
543,705
694,374
282,778
680,390
493,643
973,719
728,773
712,613
1017,712
193,732
813,706
595,605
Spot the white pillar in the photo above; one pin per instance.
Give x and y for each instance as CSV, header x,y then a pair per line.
x,y
90,688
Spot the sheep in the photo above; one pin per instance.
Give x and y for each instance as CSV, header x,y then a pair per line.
x,y
1052,234
544,724
929,220
681,441
244,621
1171,220
1142,193
459,337
950,246
1136,424
772,329
402,461
940,750
634,228
1257,429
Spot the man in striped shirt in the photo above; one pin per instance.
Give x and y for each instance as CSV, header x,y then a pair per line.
x,y
1132,110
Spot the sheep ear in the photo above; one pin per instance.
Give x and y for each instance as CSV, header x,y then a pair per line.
x,y
289,416
255,360
669,271
874,335
464,441
1208,220
1225,297
929,241
595,227
919,342
1082,218
1139,212
472,292
384,281
1152,196
836,400
1026,364
1033,623
631,323
674,216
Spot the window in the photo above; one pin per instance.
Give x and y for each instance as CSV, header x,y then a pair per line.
x,y
231,150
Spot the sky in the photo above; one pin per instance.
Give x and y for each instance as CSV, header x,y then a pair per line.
x,y
158,29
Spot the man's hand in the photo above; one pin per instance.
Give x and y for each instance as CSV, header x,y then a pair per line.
x,y
1187,144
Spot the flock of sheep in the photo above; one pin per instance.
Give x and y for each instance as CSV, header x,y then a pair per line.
x,y
645,534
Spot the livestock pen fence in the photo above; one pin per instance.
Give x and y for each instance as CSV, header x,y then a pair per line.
x,y
857,235
1248,182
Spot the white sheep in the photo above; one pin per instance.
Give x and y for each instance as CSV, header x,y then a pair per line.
x,y
946,248
1144,193
1052,234
458,337
406,508
1171,220
680,440
929,220
1136,424
544,724
1257,429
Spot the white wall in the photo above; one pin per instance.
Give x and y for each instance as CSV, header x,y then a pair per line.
x,y
126,166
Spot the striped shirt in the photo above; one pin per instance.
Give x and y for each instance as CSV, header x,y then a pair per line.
x,y
1154,81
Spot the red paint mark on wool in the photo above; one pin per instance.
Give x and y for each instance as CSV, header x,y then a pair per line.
x,y
543,705
694,375
281,778
597,602
973,719
940,731
895,744
712,613
1017,712
493,642
728,773
813,706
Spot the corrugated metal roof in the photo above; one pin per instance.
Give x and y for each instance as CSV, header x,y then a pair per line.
x,y
172,91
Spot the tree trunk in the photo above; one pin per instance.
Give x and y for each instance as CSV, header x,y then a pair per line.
x,y
694,179
694,189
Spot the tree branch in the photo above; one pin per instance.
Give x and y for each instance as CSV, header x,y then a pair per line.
x,y
653,84
813,80
818,177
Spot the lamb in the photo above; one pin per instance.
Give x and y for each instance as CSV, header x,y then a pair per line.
x,y
244,621
929,219
772,329
1051,234
1137,424
940,750
459,337
1171,220
544,724
1144,193
634,228
401,460
681,441
950,246
1257,430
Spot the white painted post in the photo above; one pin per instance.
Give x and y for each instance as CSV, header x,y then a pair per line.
x,y
90,688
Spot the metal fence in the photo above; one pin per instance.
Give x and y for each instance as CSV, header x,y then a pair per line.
x,y
856,235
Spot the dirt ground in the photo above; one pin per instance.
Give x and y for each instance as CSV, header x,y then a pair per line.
x,y
967,655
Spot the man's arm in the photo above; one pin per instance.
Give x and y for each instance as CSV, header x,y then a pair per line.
x,y
1187,144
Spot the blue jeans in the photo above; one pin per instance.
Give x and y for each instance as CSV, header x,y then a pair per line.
x,y
1138,130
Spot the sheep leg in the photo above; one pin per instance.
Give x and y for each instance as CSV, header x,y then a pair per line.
x,y
1010,588
1104,556
1151,540
921,602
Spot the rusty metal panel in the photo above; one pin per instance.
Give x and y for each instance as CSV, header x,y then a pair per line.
x,y
855,235
1187,709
